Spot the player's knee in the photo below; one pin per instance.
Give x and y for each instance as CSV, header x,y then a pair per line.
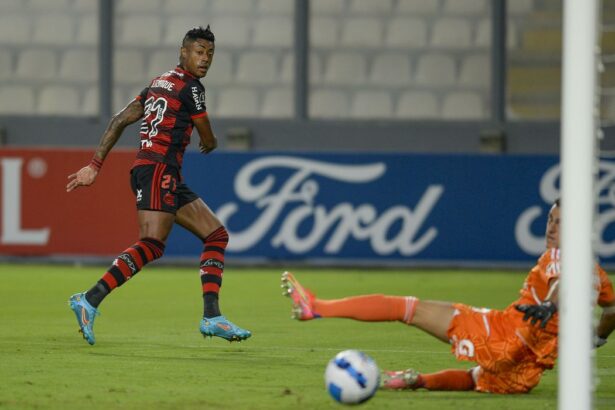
x,y
218,238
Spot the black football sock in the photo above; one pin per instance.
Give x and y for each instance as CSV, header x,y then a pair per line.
x,y
211,308
96,295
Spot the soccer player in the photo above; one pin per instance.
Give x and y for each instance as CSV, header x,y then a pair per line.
x,y
511,347
170,106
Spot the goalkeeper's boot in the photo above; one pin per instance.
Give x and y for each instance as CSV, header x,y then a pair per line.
x,y
400,380
222,327
85,314
301,297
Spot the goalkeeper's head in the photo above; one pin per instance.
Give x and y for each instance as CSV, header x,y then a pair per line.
x,y
552,232
197,51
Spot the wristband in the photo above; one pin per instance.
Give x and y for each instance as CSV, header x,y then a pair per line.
x,y
96,164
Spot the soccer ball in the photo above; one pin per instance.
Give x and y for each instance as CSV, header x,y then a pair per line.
x,y
352,377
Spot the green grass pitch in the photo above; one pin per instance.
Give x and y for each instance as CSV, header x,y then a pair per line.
x,y
150,354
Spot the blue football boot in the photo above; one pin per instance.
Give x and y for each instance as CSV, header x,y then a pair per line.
x,y
222,327
85,314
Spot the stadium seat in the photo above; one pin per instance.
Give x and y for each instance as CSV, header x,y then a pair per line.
x,y
275,7
59,100
328,104
232,7
129,68
436,70
16,99
520,7
287,72
361,32
417,7
137,6
417,105
185,7
162,61
370,7
79,65
466,7
346,68
35,64
390,69
136,30
475,71
451,33
85,5
327,7
372,104
176,27
87,30
49,5
54,29
273,32
462,106
324,32
406,32
15,29
229,31
240,102
11,5
221,71
278,102
90,103
256,67
483,34
6,64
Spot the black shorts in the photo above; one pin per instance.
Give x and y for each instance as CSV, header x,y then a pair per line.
x,y
160,187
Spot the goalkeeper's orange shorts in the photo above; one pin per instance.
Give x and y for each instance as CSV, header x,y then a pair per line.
x,y
488,338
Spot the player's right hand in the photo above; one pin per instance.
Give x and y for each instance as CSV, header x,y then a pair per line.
x,y
84,177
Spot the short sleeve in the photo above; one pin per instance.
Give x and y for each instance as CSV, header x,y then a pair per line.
x,y
142,96
550,263
192,97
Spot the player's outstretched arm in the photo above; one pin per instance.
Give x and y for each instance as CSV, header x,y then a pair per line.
x,y
87,175
208,141
544,311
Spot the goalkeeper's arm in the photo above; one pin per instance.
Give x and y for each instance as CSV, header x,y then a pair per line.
x,y
606,324
544,311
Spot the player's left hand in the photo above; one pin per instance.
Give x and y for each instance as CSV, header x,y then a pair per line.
x,y
538,313
84,177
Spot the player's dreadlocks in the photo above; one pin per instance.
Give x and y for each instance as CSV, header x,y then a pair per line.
x,y
198,32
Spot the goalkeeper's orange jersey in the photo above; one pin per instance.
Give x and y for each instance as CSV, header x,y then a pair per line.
x,y
543,342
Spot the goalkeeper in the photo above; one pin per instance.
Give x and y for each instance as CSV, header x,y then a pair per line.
x,y
511,347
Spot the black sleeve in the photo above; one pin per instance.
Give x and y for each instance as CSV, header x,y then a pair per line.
x,y
142,96
192,97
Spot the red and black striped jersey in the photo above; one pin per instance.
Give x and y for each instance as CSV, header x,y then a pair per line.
x,y
170,103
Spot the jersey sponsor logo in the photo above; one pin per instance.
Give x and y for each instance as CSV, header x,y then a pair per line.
x,y
139,195
169,199
198,97
213,262
309,224
164,84
127,259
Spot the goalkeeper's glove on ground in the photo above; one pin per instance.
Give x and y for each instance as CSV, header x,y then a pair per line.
x,y
542,312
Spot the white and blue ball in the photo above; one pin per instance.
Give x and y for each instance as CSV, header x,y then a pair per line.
x,y
352,377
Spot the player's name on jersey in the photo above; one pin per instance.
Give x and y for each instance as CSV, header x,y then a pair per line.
x,y
167,85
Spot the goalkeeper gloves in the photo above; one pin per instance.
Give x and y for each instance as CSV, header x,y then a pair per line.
x,y
538,313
